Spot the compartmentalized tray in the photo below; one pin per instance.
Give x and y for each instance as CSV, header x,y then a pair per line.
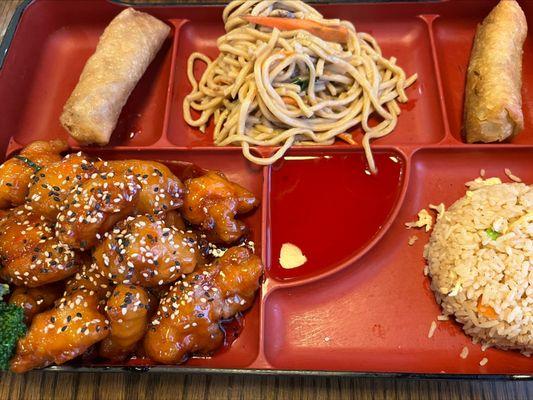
x,y
361,304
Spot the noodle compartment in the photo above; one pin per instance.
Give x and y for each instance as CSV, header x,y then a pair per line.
x,y
288,76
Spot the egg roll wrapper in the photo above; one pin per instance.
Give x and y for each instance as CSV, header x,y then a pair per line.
x,y
125,49
493,102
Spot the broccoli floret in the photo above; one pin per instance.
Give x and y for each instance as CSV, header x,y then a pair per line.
x,y
12,328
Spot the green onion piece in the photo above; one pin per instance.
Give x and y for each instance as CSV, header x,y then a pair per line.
x,y
29,163
302,82
493,234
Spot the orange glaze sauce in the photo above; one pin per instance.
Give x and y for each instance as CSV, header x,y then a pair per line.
x,y
232,329
329,207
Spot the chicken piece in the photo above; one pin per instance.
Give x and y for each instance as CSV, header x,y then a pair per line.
x,y
50,186
160,292
174,219
187,321
127,310
15,173
212,202
161,189
30,253
94,207
142,250
89,279
62,333
36,300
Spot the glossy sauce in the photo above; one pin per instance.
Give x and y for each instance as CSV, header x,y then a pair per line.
x,y
232,329
329,207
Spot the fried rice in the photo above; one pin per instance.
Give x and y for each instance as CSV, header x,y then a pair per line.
x,y
480,260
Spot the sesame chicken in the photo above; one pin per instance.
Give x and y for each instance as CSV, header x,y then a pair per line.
x,y
93,207
50,186
161,190
91,249
89,278
62,333
142,250
16,173
30,253
128,310
212,202
174,219
187,321
36,300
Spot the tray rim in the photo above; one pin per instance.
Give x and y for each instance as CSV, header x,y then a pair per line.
x,y
17,15
287,372
4,48
10,30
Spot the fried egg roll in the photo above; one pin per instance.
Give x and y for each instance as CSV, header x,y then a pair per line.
x,y
493,103
125,49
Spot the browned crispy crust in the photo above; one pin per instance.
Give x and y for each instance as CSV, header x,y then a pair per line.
x,y
126,48
493,103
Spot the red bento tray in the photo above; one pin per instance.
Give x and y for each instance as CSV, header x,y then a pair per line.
x,y
361,305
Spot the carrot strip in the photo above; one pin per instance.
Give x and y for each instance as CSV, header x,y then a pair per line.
x,y
289,101
336,33
347,138
486,310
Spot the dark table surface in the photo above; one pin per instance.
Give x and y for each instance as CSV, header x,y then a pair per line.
x,y
129,386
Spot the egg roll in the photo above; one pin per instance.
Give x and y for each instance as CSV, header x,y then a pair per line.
x,y
125,49
493,102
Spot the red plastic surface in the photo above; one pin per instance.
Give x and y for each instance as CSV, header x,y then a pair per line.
x,y
376,314
361,303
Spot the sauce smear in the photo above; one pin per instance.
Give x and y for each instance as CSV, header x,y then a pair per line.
x,y
329,207
232,329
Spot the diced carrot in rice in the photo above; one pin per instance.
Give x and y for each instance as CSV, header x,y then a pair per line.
x,y
486,310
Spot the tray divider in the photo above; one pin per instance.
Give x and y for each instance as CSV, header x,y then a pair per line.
x,y
177,25
265,255
429,20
